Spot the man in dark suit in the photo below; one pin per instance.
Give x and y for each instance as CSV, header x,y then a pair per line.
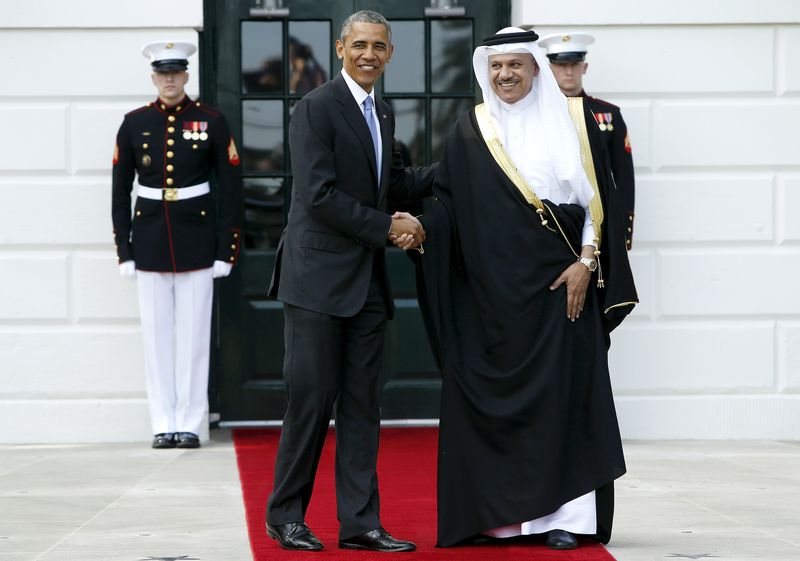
x,y
331,275
178,240
567,55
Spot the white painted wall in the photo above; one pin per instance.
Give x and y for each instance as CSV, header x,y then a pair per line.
x,y
712,100
71,367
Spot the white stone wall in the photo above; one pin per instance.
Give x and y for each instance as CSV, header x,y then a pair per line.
x,y
712,100
70,351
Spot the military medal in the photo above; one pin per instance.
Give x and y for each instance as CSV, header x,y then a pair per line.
x,y
609,126
600,124
146,160
203,128
187,135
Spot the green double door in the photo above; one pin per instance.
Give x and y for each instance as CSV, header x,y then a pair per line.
x,y
256,65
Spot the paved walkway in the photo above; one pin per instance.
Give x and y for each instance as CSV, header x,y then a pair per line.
x,y
731,501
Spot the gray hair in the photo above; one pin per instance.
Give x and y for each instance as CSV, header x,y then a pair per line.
x,y
364,16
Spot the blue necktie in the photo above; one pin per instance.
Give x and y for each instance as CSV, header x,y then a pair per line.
x,y
373,130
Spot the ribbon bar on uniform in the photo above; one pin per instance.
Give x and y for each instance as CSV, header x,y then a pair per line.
x,y
172,194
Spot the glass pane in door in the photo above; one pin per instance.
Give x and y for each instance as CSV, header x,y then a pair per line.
x,y
445,112
262,136
405,73
409,115
262,57
451,56
263,212
309,55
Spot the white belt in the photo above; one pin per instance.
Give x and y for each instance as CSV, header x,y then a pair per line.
x,y
172,193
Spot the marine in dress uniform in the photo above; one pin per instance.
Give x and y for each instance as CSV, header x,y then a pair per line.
x,y
567,54
177,238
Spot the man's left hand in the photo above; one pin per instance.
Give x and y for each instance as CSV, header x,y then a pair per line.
x,y
221,269
576,277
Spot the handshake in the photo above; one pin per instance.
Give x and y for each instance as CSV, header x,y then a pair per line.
x,y
406,232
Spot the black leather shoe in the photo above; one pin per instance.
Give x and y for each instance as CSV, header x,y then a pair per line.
x,y
294,535
164,440
376,540
187,440
561,539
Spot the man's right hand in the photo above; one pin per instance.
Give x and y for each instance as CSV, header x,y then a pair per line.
x,y
127,269
406,231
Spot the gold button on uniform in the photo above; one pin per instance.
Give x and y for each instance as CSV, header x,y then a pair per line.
x,y
235,235
169,181
202,213
170,142
138,213
170,167
233,246
194,146
171,118
171,130
170,154
232,257
145,146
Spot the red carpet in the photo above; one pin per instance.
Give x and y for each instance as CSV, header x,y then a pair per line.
x,y
407,476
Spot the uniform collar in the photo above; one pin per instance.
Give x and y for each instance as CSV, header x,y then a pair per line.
x,y
179,107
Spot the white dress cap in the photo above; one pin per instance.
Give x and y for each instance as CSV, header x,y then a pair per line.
x,y
167,56
566,47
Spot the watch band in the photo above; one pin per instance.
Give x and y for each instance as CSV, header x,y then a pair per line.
x,y
591,264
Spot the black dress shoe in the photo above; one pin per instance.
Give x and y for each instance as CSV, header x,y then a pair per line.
x,y
294,535
164,440
561,539
187,440
376,540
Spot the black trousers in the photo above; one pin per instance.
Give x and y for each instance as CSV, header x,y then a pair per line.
x,y
331,360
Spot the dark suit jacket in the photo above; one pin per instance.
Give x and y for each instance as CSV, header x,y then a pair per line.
x,y
338,224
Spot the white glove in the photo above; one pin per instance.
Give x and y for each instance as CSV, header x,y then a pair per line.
x,y
127,269
222,269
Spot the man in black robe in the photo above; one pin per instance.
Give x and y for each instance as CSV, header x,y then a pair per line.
x,y
529,441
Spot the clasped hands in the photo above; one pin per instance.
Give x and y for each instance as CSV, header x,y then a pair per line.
x,y
406,232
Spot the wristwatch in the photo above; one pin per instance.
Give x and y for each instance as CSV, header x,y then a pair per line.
x,y
591,264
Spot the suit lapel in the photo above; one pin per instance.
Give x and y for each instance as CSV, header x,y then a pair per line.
x,y
355,118
386,141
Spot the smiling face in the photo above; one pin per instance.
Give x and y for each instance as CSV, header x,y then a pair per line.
x,y
511,75
170,85
569,76
365,52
